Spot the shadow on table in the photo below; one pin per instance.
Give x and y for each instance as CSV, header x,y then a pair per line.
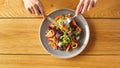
x,y
91,42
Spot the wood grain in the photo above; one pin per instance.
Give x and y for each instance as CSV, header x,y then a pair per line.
x,y
31,61
21,36
104,8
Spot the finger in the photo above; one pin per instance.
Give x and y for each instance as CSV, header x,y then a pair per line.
x,y
36,9
28,9
33,12
94,3
86,3
41,8
90,5
39,11
79,7
79,10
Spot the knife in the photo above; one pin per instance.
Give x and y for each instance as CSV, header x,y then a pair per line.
x,y
51,20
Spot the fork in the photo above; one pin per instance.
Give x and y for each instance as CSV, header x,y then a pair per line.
x,y
68,20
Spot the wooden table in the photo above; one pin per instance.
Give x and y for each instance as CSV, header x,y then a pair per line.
x,y
20,46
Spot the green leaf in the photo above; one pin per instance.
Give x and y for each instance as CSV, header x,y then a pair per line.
x,y
46,31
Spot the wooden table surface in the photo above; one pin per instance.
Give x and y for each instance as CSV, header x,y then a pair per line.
x,y
20,46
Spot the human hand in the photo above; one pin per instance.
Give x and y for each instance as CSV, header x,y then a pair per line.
x,y
34,7
85,5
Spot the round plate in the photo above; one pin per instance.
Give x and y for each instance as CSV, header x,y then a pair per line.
x,y
84,37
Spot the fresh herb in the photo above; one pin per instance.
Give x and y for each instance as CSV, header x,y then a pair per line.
x,y
46,31
77,33
54,39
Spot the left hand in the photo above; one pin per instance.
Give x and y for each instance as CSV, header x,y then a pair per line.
x,y
34,7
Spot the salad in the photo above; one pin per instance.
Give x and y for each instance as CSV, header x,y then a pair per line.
x,y
63,35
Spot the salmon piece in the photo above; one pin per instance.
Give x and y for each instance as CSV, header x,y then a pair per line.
x,y
53,44
58,17
64,28
68,48
78,29
52,26
74,23
68,15
50,34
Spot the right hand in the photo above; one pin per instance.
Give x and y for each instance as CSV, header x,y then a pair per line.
x,y
85,5
34,7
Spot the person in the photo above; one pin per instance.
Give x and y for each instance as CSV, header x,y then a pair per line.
x,y
36,7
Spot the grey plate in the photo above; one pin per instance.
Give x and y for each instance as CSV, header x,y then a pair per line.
x,y
83,39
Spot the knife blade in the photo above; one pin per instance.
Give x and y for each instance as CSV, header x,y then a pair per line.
x,y
51,20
